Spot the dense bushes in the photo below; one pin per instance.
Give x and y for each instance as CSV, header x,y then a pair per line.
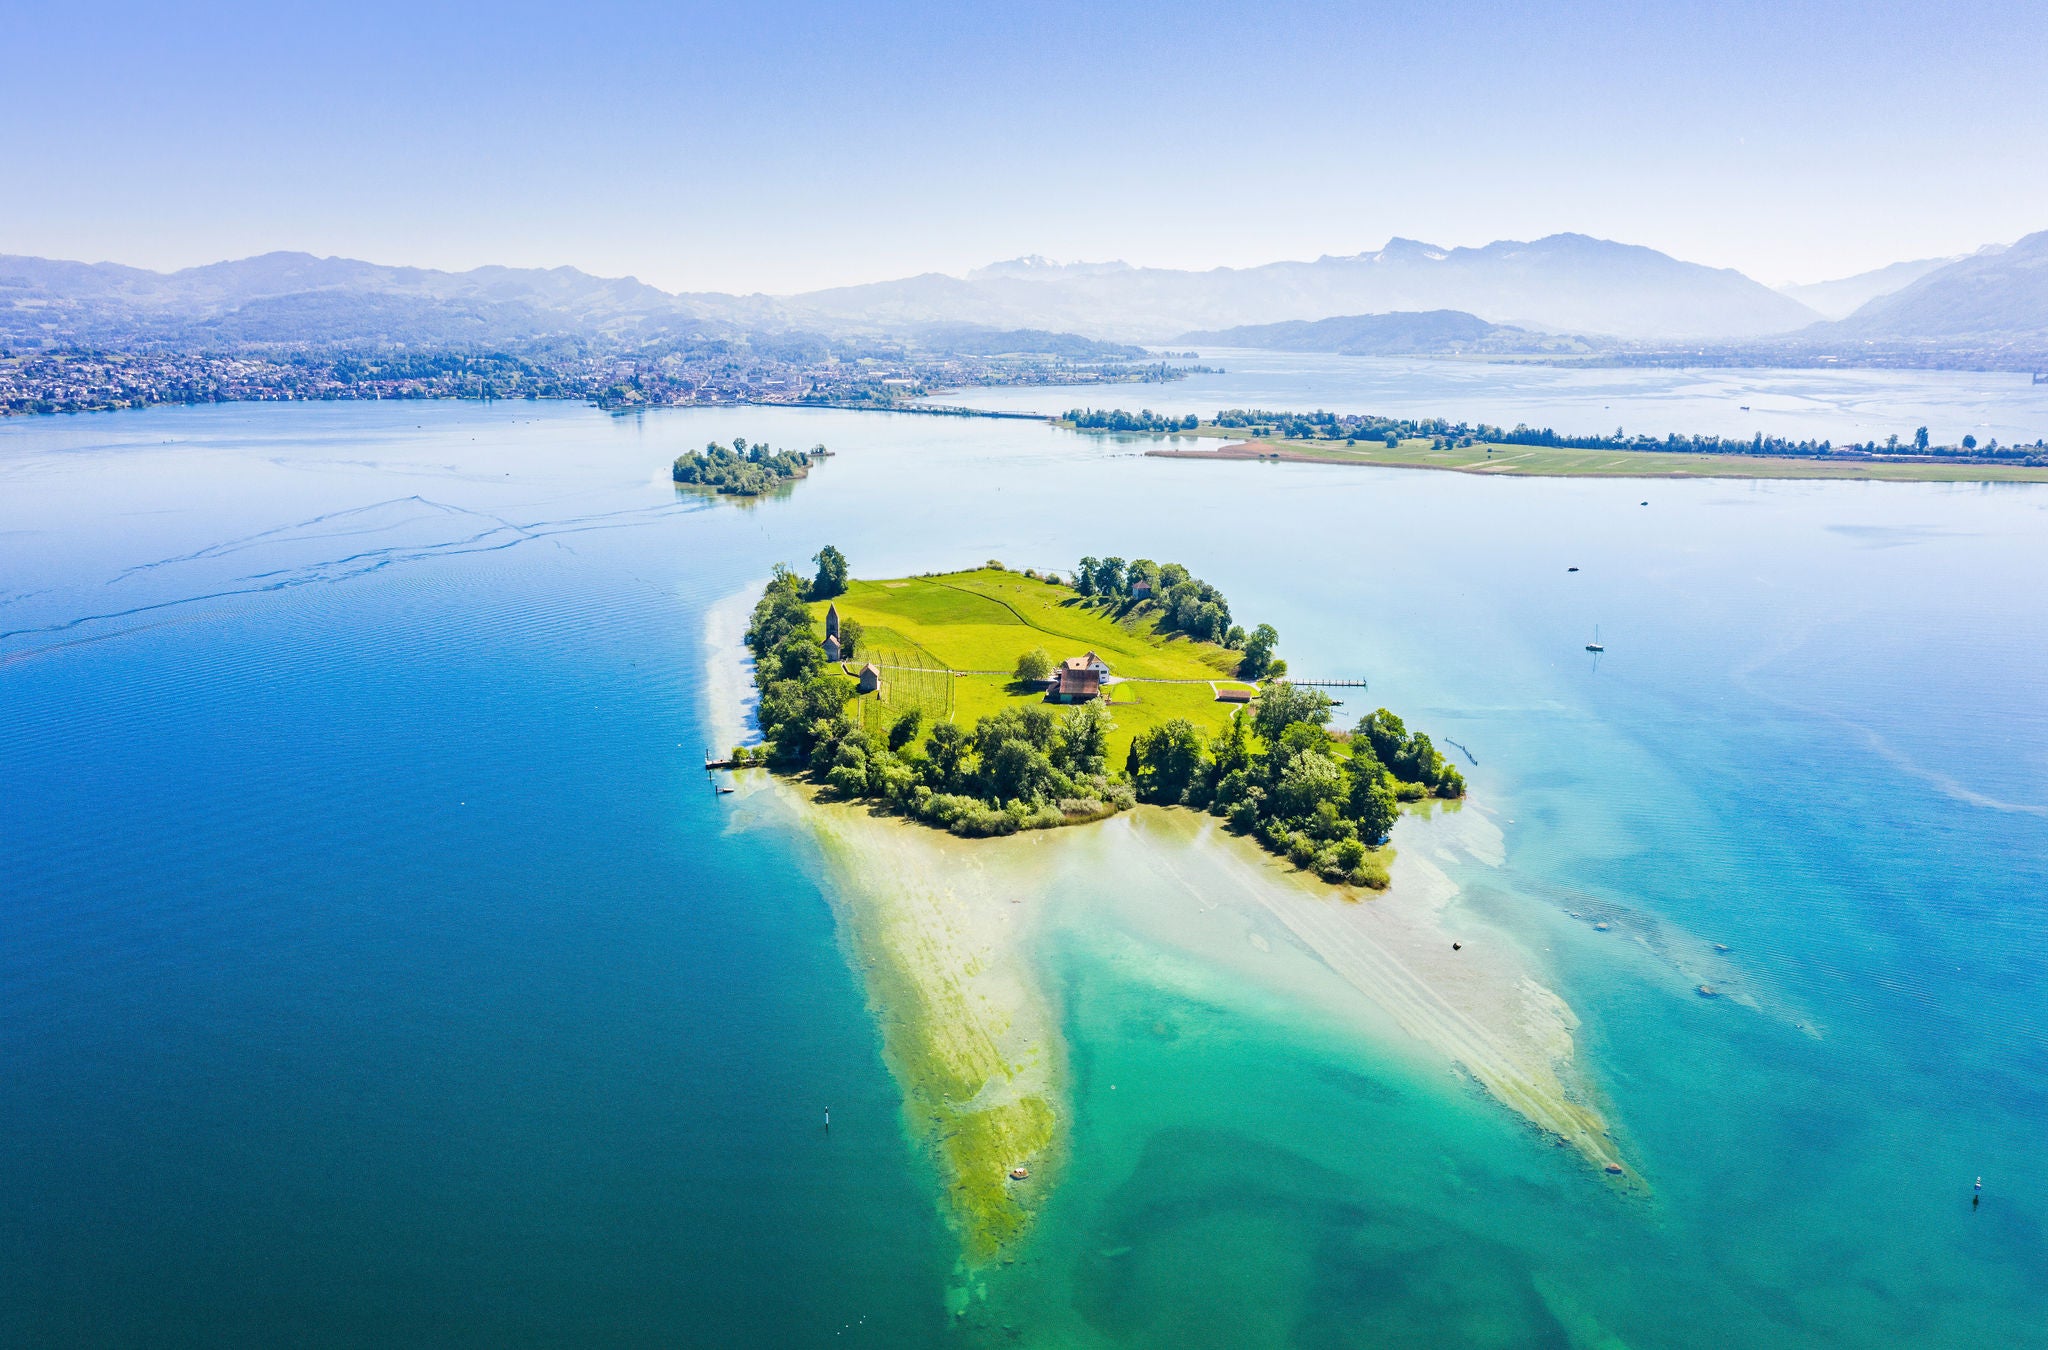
x,y
1279,775
742,471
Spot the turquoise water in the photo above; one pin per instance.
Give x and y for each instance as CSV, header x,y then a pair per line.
x,y
377,967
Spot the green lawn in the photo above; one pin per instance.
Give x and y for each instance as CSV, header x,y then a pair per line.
x,y
983,620
1549,462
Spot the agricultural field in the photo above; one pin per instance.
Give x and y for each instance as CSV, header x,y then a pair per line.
x,y
947,645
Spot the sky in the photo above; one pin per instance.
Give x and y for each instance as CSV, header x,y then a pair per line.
x,y
781,147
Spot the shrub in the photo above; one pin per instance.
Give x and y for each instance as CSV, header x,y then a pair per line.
x,y
1371,873
1301,850
1033,665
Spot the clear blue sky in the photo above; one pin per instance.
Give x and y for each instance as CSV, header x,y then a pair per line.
x,y
772,146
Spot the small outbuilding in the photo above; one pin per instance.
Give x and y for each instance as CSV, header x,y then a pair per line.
x,y
870,678
832,649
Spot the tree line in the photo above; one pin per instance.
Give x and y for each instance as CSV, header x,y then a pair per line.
x,y
1184,603
1444,434
744,470
1090,419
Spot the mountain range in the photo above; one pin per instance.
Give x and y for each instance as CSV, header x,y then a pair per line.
x,y
1436,332
1992,295
1407,296
1563,283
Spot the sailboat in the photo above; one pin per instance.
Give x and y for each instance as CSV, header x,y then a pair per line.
x,y
1594,645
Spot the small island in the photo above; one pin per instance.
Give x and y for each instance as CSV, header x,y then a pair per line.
x,y
991,701
744,470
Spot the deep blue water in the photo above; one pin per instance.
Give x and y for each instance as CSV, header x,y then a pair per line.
x,y
376,966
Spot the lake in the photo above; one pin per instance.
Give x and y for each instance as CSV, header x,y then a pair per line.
x,y
377,966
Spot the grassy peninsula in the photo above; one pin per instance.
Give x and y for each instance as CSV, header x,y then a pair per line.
x,y
940,698
1521,451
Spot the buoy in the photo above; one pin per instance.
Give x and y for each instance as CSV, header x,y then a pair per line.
x,y
1019,1173
1457,946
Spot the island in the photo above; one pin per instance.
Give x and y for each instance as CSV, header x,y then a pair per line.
x,y
940,736
990,701
1323,437
744,470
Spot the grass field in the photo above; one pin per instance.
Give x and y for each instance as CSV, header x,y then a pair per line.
x,y
976,624
1546,462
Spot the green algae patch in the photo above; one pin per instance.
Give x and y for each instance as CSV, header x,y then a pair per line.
x,y
940,930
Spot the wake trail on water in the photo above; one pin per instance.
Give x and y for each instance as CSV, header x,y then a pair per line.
x,y
497,534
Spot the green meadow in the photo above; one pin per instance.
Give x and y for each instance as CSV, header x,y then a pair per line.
x,y
947,644
1538,461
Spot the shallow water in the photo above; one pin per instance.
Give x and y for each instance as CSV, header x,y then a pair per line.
x,y
376,964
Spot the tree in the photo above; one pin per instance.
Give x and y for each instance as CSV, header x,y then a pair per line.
x,y
1969,442
1258,652
1083,749
1373,806
1084,576
1920,439
1170,761
849,638
1283,705
832,572
1034,665
1109,577
945,752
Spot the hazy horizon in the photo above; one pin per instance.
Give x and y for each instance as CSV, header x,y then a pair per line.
x,y
800,147
959,272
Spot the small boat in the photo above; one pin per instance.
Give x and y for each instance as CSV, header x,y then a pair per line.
x,y
725,792
1595,645
1708,991
1019,1173
1571,569
1745,407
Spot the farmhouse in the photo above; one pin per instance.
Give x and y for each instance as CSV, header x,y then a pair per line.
x,y
1077,679
1073,683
